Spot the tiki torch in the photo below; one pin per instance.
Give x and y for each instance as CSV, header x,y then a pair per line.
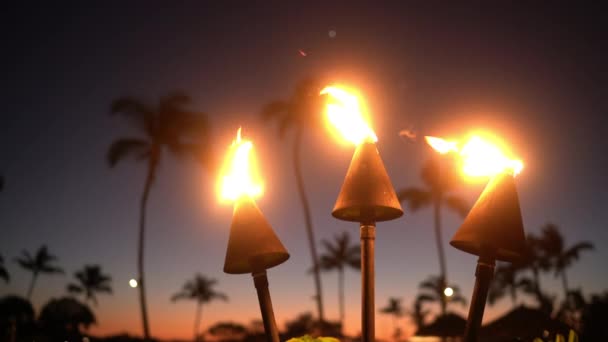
x,y
493,229
253,247
367,195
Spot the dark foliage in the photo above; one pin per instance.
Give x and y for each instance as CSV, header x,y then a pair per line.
x,y
16,319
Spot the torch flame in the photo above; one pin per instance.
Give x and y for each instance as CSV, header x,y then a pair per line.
x,y
239,178
441,145
346,116
480,158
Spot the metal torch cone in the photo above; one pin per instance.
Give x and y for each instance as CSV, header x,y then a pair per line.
x,y
367,196
493,230
252,238
494,226
253,247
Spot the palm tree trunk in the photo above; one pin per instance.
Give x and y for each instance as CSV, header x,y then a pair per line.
x,y
197,320
565,284
341,295
32,283
140,248
308,222
439,241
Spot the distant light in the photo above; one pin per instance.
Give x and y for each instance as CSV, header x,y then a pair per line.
x,y
332,33
133,283
448,292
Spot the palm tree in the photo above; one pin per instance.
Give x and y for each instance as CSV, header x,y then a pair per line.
x,y
439,182
504,282
338,255
418,313
200,289
166,125
3,272
40,264
395,309
90,280
301,112
434,291
561,257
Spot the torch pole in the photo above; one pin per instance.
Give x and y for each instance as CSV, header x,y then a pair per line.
x,y
483,276
368,311
270,325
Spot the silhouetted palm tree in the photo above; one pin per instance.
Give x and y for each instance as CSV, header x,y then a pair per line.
x,y
561,257
418,313
200,289
395,309
40,264
434,288
338,255
167,125
3,272
90,280
439,178
504,282
302,112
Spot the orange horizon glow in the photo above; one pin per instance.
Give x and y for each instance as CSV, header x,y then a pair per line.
x,y
480,157
239,177
346,115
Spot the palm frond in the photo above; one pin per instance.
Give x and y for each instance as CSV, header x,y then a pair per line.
x,y
573,252
457,298
73,288
272,110
458,204
180,296
139,114
415,198
127,147
425,298
51,269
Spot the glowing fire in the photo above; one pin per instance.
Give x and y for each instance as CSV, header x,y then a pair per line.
x,y
346,116
480,158
440,145
239,178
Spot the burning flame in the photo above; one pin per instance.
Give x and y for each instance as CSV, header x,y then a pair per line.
x,y
480,158
346,116
440,145
239,178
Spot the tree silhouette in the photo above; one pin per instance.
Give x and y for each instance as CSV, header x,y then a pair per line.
x,y
90,280
201,290
61,319
301,112
418,313
394,308
3,272
440,178
338,255
40,264
434,288
504,282
17,319
167,125
536,262
228,331
561,257
1,183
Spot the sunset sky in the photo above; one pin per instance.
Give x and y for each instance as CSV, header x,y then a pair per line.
x,y
535,76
